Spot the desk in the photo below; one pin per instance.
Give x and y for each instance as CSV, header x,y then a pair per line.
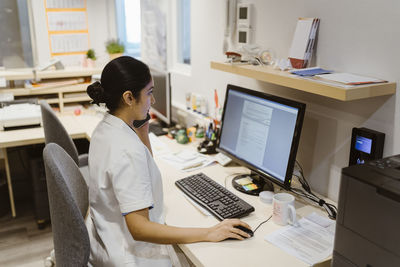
x,y
179,212
250,252
77,127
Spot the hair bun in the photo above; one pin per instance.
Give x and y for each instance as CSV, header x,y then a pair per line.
x,y
96,92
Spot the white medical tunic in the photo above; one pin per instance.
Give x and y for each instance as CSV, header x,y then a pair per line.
x,y
123,178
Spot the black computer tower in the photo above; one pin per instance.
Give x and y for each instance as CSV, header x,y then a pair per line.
x,y
39,186
4,197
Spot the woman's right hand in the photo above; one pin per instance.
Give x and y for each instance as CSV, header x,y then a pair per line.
x,y
226,229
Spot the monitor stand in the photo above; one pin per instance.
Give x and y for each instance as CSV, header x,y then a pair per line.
x,y
258,184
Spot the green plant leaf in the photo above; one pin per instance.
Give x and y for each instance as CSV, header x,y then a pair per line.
x,y
114,46
91,54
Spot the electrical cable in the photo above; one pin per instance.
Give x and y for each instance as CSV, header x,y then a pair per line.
x,y
306,193
329,208
262,223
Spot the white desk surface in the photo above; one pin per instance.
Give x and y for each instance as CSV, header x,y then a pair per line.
x,y
250,252
80,126
179,212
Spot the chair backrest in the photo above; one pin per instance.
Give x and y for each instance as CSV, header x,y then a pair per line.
x,y
68,199
54,131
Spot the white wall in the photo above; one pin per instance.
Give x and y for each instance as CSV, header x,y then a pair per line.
x,y
360,36
101,24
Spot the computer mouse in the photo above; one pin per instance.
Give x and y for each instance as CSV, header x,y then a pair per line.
x,y
246,230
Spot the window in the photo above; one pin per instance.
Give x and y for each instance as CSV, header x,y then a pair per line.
x,y
15,40
129,26
184,31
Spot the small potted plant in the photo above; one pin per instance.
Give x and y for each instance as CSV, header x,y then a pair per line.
x,y
90,59
115,48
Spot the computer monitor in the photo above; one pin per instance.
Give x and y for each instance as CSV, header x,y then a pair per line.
x,y
262,132
162,95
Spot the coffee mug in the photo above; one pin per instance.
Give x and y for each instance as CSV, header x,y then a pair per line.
x,y
283,209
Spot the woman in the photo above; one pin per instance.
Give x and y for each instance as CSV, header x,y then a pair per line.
x,y
125,187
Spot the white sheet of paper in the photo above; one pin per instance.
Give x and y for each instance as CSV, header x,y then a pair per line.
x,y
187,160
69,42
157,145
347,78
309,242
67,21
342,85
300,39
320,220
3,82
65,3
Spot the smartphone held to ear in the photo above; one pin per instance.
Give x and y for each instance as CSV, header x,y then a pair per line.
x,y
140,123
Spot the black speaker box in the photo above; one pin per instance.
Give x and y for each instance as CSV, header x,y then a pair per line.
x,y
366,145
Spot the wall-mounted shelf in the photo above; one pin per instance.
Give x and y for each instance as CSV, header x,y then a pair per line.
x,y
283,78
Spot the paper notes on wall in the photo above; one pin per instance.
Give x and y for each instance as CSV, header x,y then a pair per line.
x,y
67,30
67,20
303,42
66,4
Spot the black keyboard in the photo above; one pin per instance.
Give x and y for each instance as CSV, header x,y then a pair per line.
x,y
212,196
156,129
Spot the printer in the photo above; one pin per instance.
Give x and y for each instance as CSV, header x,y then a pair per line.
x,y
368,219
20,113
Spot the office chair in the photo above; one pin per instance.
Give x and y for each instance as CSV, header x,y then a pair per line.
x,y
54,132
68,199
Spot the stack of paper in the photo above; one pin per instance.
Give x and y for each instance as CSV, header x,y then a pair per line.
x,y
187,160
303,42
311,242
349,79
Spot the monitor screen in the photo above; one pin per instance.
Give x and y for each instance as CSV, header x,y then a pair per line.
x,y
262,132
363,144
162,95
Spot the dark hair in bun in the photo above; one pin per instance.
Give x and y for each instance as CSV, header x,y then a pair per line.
x,y
118,76
96,92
